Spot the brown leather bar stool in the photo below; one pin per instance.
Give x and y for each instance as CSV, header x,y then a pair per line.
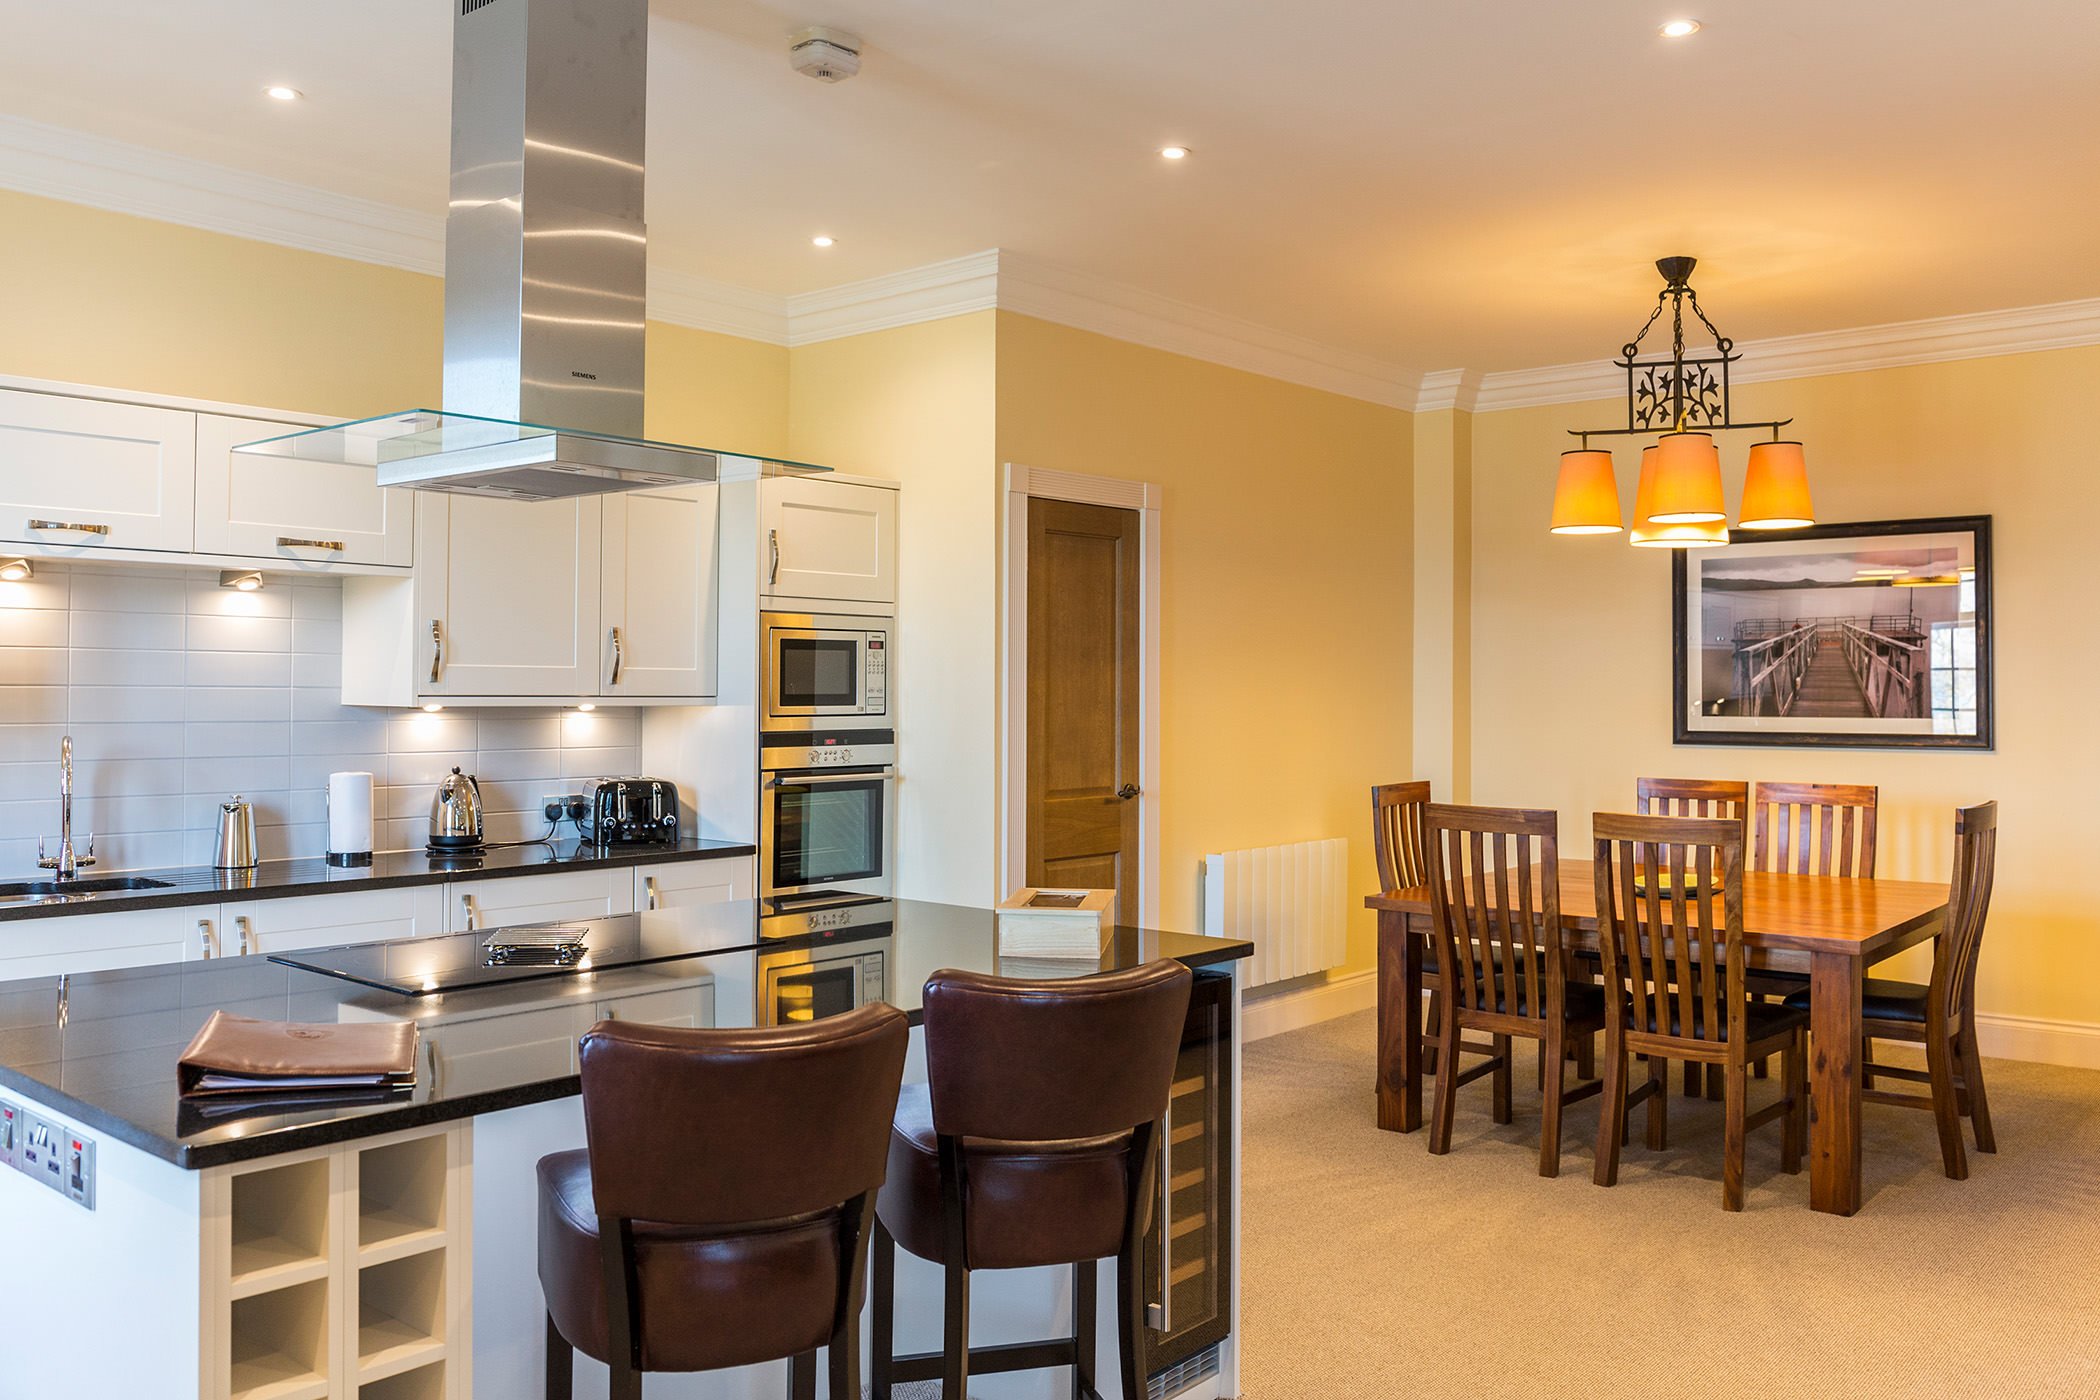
x,y
1033,1143
720,1215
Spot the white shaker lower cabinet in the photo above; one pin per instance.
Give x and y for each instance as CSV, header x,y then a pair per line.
x,y
83,476
292,511
659,597
533,899
681,884
99,942
327,920
827,539
690,1007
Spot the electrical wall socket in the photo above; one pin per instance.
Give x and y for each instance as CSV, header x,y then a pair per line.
x,y
562,800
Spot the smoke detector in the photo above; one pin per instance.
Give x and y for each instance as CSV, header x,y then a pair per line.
x,y
830,55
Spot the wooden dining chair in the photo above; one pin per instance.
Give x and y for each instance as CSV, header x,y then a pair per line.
x,y
1941,1014
1696,797
1692,797
1498,935
1815,829
1397,841
1670,929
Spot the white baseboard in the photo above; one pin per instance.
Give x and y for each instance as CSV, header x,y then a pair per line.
x,y
2072,1043
1271,1013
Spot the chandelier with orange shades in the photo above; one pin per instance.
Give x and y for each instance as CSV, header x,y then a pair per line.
x,y
1681,400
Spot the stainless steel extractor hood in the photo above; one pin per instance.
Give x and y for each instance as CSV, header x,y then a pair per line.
x,y
545,271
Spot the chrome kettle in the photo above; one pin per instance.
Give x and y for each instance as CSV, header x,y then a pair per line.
x,y
455,814
236,848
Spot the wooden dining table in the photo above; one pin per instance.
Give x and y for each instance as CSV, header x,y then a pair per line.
x,y
1829,928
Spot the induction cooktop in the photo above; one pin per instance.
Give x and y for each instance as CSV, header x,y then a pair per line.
x,y
422,967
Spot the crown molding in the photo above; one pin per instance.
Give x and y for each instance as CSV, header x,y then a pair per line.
x,y
956,287
59,163
1972,336
1032,287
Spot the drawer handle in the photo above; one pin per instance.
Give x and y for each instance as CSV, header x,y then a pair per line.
x,y
466,905
437,649
240,921
287,542
207,939
649,890
69,525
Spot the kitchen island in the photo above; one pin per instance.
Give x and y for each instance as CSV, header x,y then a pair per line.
x,y
385,1249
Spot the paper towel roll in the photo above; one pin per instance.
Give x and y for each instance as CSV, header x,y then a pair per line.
x,y
349,815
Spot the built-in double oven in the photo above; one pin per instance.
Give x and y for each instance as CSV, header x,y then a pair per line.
x,y
823,958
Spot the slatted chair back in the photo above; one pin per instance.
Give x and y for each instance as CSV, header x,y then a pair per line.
x,y
1815,829
1692,797
1657,936
1396,834
1968,904
1490,912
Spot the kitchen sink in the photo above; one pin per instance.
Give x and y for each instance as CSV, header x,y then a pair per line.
x,y
45,889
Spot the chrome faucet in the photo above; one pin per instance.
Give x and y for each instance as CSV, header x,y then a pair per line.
x,y
65,863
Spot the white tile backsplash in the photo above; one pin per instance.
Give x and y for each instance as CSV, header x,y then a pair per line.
x,y
179,693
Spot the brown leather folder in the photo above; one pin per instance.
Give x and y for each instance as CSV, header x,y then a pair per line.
x,y
240,1055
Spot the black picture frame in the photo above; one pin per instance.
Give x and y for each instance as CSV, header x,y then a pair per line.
x,y
1985,736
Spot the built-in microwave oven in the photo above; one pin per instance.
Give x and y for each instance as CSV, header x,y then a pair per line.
x,y
827,813
821,670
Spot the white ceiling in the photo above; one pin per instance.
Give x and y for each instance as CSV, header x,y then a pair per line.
x,y
1452,184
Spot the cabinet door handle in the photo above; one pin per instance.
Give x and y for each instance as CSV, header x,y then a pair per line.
x,y
240,922
207,939
649,891
437,649
432,1063
287,542
466,907
616,657
69,525
773,542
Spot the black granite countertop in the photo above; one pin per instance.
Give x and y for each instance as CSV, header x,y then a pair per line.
x,y
101,1047
285,879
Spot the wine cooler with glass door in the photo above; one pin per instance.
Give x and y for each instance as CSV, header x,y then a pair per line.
x,y
1188,1258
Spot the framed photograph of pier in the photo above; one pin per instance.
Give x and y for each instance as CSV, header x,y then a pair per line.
x,y
1874,635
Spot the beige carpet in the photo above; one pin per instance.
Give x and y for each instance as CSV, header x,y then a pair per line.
x,y
1374,1269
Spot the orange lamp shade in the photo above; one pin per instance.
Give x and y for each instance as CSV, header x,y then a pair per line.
x,y
1687,487
1775,488
1586,501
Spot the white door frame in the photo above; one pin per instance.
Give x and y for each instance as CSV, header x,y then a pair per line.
x,y
1144,498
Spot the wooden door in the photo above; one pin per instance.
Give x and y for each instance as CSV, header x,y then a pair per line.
x,y
1083,665
292,509
659,593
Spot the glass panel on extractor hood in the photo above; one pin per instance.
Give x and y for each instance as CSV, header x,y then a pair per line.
x,y
434,450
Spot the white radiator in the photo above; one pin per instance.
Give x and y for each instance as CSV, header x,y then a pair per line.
x,y
1290,901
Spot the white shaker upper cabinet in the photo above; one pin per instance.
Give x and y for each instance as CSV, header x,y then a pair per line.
x,y
84,475
827,540
286,509
659,601
506,597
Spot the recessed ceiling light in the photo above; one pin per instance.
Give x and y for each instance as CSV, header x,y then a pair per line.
x,y
1680,29
1174,152
283,93
823,240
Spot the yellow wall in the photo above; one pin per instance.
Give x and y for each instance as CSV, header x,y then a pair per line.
x,y
120,302
915,404
1571,639
1285,598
